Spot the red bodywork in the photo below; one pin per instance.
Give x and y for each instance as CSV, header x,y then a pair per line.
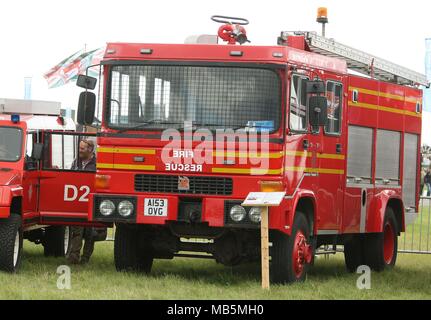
x,y
42,196
314,178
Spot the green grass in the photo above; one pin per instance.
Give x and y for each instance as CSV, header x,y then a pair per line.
x,y
204,279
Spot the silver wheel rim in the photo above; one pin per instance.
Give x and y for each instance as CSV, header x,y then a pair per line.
x,y
16,249
66,239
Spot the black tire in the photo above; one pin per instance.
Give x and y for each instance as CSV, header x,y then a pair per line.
x,y
11,239
354,253
56,241
128,255
374,245
282,251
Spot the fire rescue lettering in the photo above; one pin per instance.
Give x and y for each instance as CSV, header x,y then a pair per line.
x,y
184,154
183,167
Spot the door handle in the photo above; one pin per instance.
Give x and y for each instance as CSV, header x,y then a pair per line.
x,y
338,148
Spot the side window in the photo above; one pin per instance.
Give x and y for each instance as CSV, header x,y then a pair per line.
x,y
29,144
298,104
30,163
69,152
334,93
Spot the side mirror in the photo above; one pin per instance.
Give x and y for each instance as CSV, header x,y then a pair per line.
x,y
86,82
86,108
37,152
315,87
318,108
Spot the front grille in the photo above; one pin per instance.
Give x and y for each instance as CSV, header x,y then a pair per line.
x,y
169,184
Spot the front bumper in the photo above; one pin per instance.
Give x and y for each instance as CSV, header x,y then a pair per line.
x,y
214,212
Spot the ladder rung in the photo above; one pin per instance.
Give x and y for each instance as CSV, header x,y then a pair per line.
x,y
361,61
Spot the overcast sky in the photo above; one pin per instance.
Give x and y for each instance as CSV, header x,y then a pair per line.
x,y
36,35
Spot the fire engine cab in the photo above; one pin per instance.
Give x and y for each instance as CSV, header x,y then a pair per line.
x,y
189,130
40,194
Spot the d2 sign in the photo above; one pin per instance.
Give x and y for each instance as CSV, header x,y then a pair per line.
x,y
156,207
72,193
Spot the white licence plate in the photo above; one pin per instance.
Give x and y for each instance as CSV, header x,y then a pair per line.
x,y
156,207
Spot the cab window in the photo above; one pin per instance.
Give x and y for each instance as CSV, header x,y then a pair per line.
x,y
30,163
298,104
334,93
69,152
10,144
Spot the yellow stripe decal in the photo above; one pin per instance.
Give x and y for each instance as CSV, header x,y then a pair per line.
x,y
319,155
315,170
298,154
125,166
126,150
265,155
252,171
386,109
384,95
331,156
330,171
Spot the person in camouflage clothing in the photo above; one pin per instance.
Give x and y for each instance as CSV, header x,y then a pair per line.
x,y
85,162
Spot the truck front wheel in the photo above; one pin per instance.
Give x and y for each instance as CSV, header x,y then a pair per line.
x,y
56,241
128,253
291,255
11,239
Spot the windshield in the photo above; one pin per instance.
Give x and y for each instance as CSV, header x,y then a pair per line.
x,y
152,97
10,144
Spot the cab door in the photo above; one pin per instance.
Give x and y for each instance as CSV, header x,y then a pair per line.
x,y
331,161
30,181
64,190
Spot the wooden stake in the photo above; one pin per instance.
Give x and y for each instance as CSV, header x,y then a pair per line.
x,y
264,236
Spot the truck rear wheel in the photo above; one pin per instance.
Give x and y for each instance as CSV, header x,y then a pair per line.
x,y
291,255
56,242
11,239
354,253
380,249
128,254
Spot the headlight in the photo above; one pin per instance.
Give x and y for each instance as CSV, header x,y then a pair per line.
x,y
125,208
237,213
255,215
106,208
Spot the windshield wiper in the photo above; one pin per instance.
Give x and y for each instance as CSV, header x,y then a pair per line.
x,y
147,123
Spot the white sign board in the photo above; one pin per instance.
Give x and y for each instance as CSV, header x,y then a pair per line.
x,y
264,199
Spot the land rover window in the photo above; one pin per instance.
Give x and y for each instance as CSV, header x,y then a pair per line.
x,y
10,144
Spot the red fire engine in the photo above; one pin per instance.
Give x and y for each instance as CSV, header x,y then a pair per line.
x,y
344,148
40,196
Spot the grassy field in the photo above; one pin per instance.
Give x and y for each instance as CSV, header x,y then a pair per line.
x,y
204,279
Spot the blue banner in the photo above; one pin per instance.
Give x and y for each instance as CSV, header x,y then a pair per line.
x,y
27,88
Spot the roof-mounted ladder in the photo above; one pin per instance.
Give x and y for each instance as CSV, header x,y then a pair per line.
x,y
358,60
